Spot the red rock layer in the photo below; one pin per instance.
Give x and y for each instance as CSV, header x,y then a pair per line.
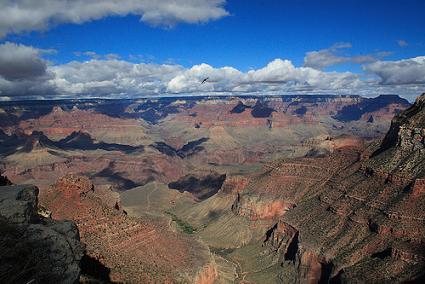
x,y
135,250
282,184
134,168
59,124
234,184
419,187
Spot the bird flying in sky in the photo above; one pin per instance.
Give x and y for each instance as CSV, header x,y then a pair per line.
x,y
203,81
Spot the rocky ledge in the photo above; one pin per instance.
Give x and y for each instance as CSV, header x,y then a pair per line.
x,y
35,249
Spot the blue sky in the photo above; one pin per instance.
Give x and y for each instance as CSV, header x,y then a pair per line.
x,y
255,33
245,35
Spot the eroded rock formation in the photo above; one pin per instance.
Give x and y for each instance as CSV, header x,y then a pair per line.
x,y
128,143
281,185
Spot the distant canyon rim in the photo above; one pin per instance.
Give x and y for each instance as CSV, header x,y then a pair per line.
x,y
236,189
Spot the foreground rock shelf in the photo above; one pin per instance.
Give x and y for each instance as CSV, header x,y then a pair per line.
x,y
34,248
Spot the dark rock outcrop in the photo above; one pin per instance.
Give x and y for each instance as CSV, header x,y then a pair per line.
x,y
35,249
4,181
407,128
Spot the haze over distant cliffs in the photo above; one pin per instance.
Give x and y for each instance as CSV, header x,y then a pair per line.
x,y
292,189
132,142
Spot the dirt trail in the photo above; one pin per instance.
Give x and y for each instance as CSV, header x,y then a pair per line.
x,y
240,275
148,197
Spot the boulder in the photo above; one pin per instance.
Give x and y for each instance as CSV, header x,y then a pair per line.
x,y
35,249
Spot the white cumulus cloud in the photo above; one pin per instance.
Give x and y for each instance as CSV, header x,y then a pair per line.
x,y
18,16
25,74
112,77
219,79
405,71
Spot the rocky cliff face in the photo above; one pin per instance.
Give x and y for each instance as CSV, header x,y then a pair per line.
x,y
60,123
407,128
35,249
365,223
281,185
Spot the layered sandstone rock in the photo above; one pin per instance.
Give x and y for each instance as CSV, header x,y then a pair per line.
x,y
234,184
280,237
208,275
260,208
282,184
121,170
59,124
406,129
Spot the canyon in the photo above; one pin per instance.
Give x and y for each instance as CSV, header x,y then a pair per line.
x,y
270,189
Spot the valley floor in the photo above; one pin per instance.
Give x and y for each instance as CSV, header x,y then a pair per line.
x,y
236,244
